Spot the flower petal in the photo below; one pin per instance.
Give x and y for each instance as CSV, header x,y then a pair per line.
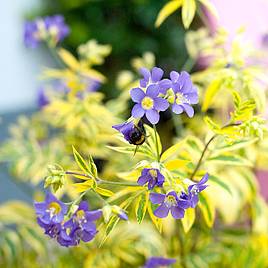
x,y
164,85
177,109
160,104
174,76
188,109
192,97
204,179
146,73
153,91
157,198
152,116
86,236
161,211
93,215
137,94
194,200
177,212
143,179
157,74
137,111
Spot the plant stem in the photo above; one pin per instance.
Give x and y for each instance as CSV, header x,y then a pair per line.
x,y
206,147
100,181
156,141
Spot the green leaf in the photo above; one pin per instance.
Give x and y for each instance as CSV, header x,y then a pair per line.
x,y
188,12
104,192
220,183
141,207
156,221
212,125
172,151
93,168
167,10
207,208
230,159
81,162
114,220
188,219
210,93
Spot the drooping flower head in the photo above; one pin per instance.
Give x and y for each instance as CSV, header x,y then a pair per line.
x,y
134,134
51,210
81,226
147,100
51,29
185,94
194,190
168,202
155,262
152,176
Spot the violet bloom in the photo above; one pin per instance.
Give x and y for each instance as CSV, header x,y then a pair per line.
x,y
81,226
168,202
152,176
51,210
42,99
194,190
51,229
51,29
147,101
185,93
134,134
155,262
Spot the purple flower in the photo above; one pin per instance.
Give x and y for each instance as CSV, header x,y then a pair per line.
x,y
42,99
185,93
155,262
169,202
81,226
52,29
147,101
51,210
152,176
194,190
51,229
134,134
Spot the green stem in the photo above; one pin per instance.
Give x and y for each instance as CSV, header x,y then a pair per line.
x,y
55,55
100,181
156,142
206,147
188,65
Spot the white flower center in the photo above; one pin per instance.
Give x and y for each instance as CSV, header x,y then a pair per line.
x,y
195,190
180,99
147,103
170,201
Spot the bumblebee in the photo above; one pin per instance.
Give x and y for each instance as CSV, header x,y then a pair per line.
x,y
137,135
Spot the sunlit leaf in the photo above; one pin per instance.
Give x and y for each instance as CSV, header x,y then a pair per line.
x,y
104,192
207,208
188,219
141,206
188,12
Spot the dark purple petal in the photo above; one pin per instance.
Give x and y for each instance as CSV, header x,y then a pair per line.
x,y
83,206
194,200
145,171
161,211
160,178
157,74
177,109
86,236
93,215
177,212
152,91
157,198
189,110
152,116
160,104
89,226
137,111
151,184
155,262
137,94
204,179
184,203
143,179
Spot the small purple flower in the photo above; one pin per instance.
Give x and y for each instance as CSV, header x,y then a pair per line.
x,y
51,229
168,202
51,210
52,29
152,176
81,226
194,190
134,134
148,103
155,262
42,99
185,93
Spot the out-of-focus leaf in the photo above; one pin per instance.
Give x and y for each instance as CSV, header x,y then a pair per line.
x,y
175,164
104,192
167,10
207,208
230,159
81,162
141,206
211,91
188,219
188,12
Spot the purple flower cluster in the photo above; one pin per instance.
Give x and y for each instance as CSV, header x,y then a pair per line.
x,y
176,204
80,226
151,98
152,176
51,29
